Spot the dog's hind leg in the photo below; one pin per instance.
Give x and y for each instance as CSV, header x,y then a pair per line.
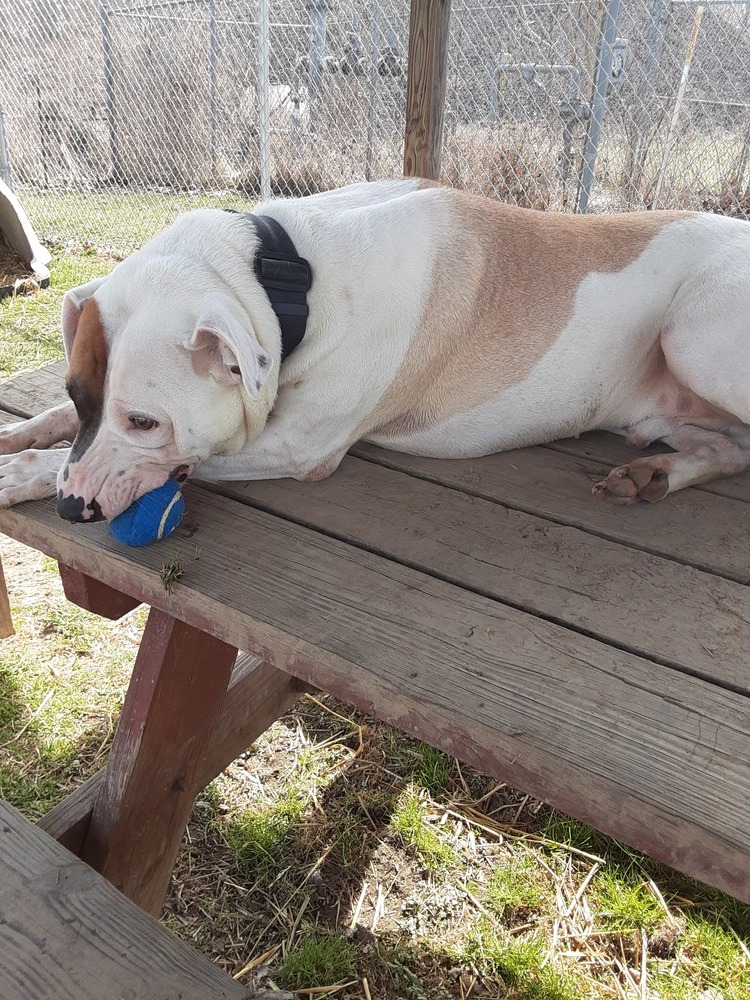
x,y
700,455
60,423
699,386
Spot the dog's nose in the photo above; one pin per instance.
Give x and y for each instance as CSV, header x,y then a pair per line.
x,y
74,508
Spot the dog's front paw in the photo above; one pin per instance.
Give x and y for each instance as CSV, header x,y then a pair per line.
x,y
644,479
30,475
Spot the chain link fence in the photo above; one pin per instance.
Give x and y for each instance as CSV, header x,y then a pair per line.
x,y
118,114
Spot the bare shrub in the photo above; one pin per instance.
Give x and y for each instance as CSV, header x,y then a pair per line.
x,y
510,165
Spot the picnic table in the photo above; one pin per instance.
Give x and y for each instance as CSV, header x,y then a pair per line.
x,y
595,656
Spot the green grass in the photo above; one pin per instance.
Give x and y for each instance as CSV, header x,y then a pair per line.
x,y
260,839
525,966
112,223
30,333
62,679
519,884
318,958
409,821
623,904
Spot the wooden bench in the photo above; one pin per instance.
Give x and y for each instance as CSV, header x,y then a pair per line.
x,y
594,656
66,934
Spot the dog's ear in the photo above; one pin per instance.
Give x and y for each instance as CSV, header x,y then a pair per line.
x,y
73,304
234,353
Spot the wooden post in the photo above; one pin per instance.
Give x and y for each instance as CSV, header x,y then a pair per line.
x,y
6,620
425,87
178,685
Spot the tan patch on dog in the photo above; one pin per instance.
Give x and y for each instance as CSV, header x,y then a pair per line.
x,y
502,293
88,364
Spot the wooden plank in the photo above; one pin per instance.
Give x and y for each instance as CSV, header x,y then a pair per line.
x,y
649,755
31,393
95,596
179,681
67,934
698,529
611,450
425,87
257,696
647,604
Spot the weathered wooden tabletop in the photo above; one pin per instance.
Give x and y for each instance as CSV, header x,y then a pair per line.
x,y
595,656
66,934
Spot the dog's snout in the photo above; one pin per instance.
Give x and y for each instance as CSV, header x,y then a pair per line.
x,y
74,508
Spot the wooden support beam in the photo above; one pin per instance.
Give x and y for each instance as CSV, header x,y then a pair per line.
x,y
6,620
425,87
94,596
155,766
258,695
68,821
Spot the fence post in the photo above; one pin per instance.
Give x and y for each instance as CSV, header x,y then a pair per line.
x,y
264,100
213,101
5,171
109,95
429,21
375,40
598,103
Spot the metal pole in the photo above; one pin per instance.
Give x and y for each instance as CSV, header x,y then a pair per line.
x,y
375,38
678,104
42,133
264,100
738,181
212,79
316,54
109,96
5,171
598,103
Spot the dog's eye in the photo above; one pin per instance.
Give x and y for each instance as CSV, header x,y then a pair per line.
x,y
141,422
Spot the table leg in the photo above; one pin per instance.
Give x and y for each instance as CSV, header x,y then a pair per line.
x,y
6,621
154,772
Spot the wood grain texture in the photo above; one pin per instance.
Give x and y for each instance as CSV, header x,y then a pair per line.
x,y
425,88
643,752
179,681
66,934
709,532
32,393
647,604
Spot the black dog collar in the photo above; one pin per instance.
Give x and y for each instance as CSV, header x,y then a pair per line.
x,y
286,278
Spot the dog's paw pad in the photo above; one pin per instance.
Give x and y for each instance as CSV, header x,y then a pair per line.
x,y
628,484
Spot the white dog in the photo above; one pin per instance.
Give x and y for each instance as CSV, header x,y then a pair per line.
x,y
440,324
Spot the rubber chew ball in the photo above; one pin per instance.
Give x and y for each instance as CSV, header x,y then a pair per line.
x,y
155,515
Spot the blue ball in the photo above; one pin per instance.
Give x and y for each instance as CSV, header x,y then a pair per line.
x,y
155,515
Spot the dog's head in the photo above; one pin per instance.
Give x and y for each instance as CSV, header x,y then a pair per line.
x,y
167,366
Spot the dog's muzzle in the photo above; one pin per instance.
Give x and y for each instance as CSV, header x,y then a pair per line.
x,y
73,508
